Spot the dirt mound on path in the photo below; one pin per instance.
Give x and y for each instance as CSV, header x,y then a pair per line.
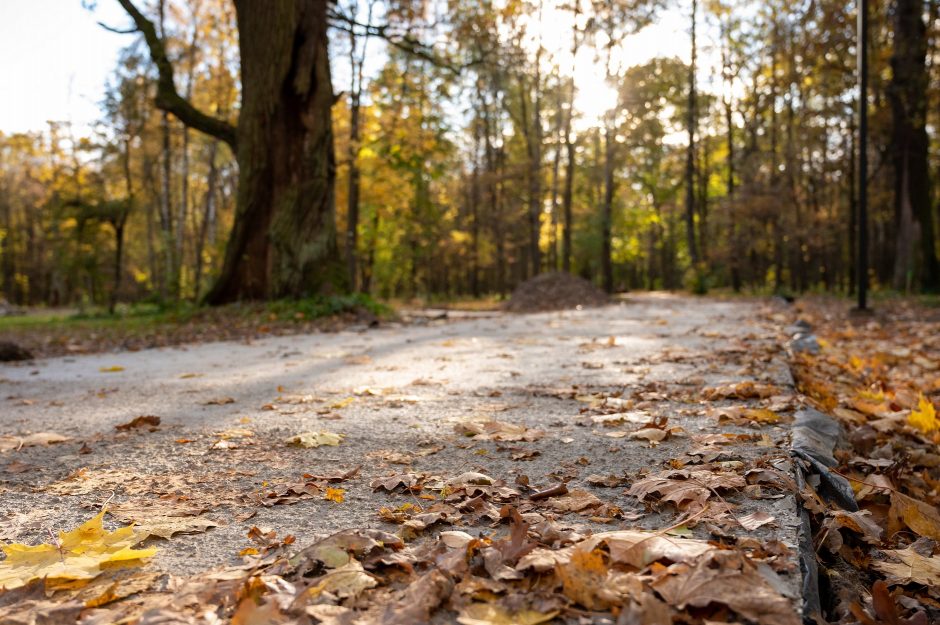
x,y
555,291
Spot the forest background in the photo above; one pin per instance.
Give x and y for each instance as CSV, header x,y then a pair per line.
x,y
637,143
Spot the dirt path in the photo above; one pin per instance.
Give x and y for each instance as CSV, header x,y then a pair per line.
x,y
395,394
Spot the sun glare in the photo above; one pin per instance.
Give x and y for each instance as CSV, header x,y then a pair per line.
x,y
595,94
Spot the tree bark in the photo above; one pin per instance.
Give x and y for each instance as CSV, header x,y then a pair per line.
x,y
283,240
910,145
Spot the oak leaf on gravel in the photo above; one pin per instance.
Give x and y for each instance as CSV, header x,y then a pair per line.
x,y
80,554
491,430
148,422
168,526
309,440
685,489
406,481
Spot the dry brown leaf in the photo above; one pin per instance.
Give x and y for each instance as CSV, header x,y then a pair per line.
x,y
148,422
685,489
220,401
490,430
740,390
922,518
12,443
168,526
727,578
755,519
575,501
912,568
406,481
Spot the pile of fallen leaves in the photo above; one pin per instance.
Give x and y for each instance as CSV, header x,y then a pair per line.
x,y
879,377
555,291
529,573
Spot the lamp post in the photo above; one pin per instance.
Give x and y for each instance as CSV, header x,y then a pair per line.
x,y
862,268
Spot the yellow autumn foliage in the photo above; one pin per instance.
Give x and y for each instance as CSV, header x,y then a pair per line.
x,y
81,555
924,417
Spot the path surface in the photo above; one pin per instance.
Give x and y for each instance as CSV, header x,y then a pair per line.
x,y
395,394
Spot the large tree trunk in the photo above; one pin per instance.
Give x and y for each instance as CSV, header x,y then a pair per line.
x,y
283,241
908,94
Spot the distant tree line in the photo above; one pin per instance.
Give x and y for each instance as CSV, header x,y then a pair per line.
x,y
436,148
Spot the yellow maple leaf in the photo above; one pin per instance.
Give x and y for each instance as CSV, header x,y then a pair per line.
x,y
924,417
334,494
80,555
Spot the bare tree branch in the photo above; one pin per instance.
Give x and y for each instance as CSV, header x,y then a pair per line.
x,y
168,99
402,40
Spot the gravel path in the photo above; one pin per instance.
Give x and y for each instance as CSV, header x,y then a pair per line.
x,y
395,394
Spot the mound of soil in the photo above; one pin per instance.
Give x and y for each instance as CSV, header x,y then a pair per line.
x,y
555,291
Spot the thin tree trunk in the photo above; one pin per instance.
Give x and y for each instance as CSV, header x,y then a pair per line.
x,y
690,152
607,268
207,218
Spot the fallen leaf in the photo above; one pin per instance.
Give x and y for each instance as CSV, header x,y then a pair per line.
x,y
727,578
495,614
583,576
917,515
912,568
309,440
755,519
112,369
407,481
148,422
653,435
349,580
488,430
220,401
168,526
28,605
12,443
79,554
924,417
685,489
334,494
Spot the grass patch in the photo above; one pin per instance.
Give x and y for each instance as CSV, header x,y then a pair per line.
x,y
137,326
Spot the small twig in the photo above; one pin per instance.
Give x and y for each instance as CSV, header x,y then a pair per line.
x,y
554,491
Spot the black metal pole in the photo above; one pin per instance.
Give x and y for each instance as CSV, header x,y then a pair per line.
x,y
862,269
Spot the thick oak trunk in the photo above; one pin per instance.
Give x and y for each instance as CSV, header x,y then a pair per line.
x,y
283,242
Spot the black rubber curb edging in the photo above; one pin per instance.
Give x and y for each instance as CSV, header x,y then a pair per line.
x,y
814,436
